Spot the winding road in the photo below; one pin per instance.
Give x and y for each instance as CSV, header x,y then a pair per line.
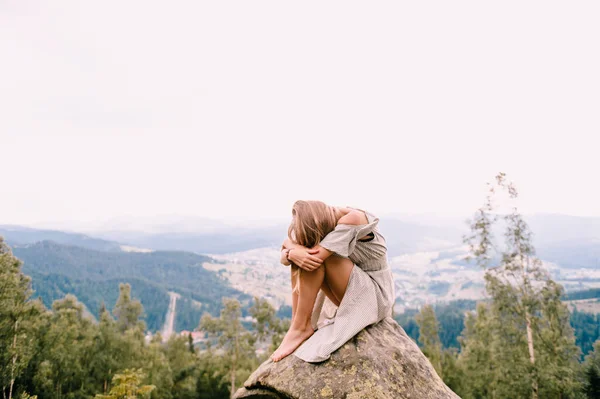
x,y
169,327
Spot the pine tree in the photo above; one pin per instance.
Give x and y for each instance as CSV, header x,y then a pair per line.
x,y
107,357
591,373
475,358
236,342
128,311
592,386
429,337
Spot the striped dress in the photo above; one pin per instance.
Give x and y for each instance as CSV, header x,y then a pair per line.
x,y
369,296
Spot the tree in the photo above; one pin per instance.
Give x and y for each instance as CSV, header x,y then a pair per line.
x,y
233,339
68,345
127,385
17,315
183,365
591,374
128,311
267,324
107,357
592,386
527,316
429,337
212,377
158,369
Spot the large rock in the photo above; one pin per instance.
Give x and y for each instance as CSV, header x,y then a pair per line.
x,y
380,362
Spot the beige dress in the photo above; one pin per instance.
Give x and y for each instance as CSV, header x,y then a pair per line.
x,y
369,296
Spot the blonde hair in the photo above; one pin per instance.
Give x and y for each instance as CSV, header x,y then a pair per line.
x,y
311,222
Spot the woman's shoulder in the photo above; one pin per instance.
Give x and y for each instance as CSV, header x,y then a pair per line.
x,y
354,217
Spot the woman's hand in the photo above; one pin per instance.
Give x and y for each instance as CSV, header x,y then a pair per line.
x,y
283,259
305,258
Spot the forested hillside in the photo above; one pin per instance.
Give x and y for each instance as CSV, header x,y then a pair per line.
x,y
451,321
93,276
58,352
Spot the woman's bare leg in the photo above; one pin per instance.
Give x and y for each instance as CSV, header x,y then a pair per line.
x,y
301,328
293,270
337,275
328,293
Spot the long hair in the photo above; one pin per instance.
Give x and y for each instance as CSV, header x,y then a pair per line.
x,y
311,222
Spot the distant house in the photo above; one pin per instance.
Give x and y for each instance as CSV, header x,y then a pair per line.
x,y
197,336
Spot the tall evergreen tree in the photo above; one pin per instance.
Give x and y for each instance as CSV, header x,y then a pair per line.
x,y
107,357
128,311
591,373
429,337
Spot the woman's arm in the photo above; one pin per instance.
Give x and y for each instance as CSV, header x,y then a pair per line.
x,y
311,258
308,259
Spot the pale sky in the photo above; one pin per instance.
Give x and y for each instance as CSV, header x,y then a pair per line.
x,y
235,109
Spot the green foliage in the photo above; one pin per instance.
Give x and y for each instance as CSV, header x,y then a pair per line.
x,y
189,311
521,343
93,276
65,353
583,294
17,321
235,343
183,361
450,317
127,311
267,324
429,337
212,377
587,329
127,385
591,373
95,293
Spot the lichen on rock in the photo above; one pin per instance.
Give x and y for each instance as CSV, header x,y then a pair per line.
x,y
380,362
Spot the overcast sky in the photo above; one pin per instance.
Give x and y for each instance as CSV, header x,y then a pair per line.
x,y
235,109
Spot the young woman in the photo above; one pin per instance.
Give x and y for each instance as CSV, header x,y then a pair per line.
x,y
341,282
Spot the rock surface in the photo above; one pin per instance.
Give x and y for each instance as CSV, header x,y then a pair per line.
x,y
380,362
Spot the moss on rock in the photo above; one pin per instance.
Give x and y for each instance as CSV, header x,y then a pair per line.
x,y
380,362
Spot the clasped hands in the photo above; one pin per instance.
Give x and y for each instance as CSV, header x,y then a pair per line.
x,y
300,256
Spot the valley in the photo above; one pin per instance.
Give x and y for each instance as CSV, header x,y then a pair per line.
x,y
420,278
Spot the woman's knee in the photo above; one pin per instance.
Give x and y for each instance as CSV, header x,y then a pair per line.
x,y
337,262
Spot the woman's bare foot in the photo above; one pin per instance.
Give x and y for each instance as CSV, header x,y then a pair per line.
x,y
293,338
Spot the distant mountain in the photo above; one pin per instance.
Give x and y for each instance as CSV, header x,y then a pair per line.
x,y
404,237
223,240
426,254
551,228
18,235
94,276
570,241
